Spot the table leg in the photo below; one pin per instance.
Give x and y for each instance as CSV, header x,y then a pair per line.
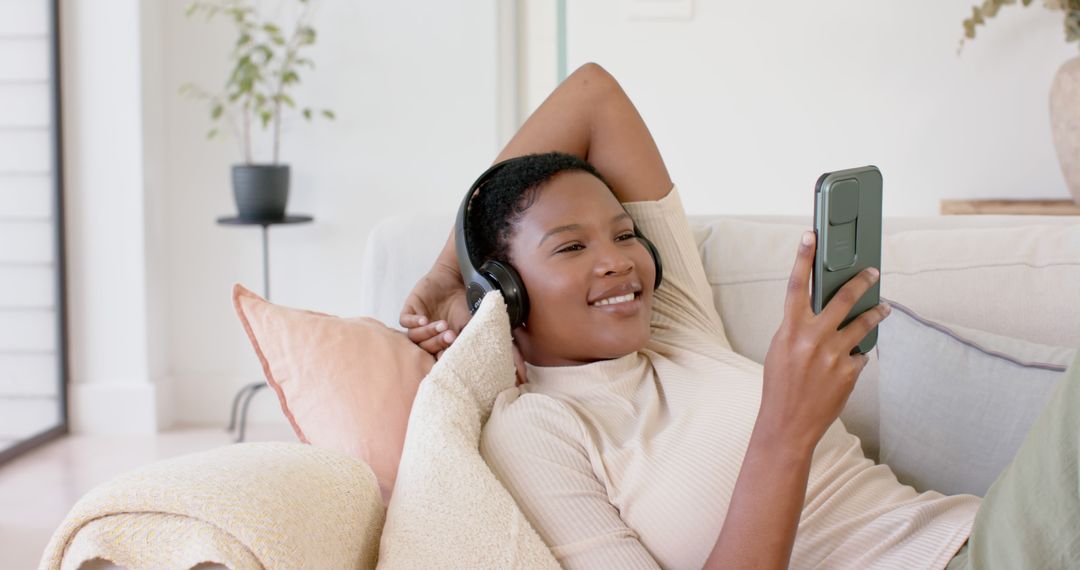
x,y
236,404
244,409
266,263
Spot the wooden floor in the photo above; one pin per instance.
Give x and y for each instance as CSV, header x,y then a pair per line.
x,y
38,489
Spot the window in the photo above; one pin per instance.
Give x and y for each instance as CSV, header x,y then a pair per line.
x,y
33,349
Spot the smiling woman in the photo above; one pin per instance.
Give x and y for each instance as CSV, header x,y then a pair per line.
x,y
594,258
554,219
640,439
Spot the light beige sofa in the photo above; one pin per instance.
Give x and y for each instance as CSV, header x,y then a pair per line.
x,y
1017,276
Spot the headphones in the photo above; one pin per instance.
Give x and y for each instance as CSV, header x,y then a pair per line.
x,y
495,275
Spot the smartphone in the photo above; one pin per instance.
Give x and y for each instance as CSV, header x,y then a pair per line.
x,y
847,221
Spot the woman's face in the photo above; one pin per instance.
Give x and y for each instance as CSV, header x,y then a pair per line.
x,y
575,247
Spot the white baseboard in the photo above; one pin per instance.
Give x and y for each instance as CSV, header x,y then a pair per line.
x,y
147,408
120,408
206,400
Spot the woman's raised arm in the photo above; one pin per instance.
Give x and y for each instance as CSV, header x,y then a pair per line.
x,y
590,116
587,115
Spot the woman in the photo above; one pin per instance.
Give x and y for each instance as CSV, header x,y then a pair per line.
x,y
641,439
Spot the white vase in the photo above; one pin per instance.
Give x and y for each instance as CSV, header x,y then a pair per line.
x,y
1065,122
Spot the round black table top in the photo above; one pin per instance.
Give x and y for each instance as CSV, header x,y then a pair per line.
x,y
288,219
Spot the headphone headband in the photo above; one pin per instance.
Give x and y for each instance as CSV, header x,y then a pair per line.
x,y
474,280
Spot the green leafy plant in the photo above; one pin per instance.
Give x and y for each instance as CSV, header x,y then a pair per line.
x,y
266,66
989,9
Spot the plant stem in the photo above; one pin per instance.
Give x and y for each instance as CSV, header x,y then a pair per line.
x,y
247,130
290,55
235,131
277,128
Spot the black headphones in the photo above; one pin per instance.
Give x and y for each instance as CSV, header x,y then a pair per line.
x,y
498,276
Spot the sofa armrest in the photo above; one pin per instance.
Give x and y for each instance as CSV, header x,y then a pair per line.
x,y
267,504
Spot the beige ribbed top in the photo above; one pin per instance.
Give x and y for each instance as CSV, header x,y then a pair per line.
x,y
631,462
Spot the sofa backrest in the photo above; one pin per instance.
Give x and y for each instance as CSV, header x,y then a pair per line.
x,y
1017,276
1011,275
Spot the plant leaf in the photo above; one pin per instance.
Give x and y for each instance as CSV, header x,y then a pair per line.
x,y
1072,26
329,114
976,16
307,35
307,113
264,49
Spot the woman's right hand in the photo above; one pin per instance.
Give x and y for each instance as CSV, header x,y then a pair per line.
x,y
809,369
435,310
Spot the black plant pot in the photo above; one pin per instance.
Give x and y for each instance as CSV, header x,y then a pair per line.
x,y
261,190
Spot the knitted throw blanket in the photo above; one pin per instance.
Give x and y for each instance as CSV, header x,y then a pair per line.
x,y
246,506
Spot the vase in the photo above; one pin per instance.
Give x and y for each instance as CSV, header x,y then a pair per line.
x,y
261,190
1065,123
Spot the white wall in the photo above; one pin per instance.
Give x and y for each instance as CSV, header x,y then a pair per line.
x,y
745,101
414,88
117,365
751,101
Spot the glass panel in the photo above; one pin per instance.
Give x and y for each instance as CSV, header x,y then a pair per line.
x,y
32,405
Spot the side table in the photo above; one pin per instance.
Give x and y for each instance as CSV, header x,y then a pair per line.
x,y
247,392
1010,207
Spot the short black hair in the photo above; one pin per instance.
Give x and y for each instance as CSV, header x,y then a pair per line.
x,y
507,194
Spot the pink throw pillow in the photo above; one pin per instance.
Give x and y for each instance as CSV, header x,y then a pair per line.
x,y
345,384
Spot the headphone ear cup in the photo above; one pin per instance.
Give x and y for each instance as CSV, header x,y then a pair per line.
x,y
511,286
475,291
655,253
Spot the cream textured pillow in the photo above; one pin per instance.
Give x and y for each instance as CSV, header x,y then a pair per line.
x,y
345,384
448,509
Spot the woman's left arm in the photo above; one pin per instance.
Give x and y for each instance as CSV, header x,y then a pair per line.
x,y
809,374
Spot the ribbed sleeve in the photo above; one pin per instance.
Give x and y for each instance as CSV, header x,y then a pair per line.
x,y
533,446
684,299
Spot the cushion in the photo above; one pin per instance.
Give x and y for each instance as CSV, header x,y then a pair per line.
x,y
956,403
448,509
345,384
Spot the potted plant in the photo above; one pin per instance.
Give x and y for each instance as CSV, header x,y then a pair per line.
x,y
265,67
1064,92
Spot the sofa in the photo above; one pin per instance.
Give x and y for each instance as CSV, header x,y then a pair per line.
x,y
1005,290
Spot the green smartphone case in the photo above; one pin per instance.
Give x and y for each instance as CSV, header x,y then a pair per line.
x,y
847,220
